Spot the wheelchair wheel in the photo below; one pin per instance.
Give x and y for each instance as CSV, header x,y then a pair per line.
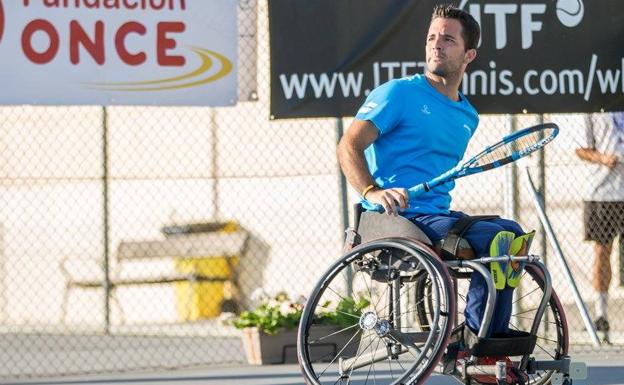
x,y
359,323
552,335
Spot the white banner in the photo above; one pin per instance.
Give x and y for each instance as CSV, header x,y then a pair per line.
x,y
118,52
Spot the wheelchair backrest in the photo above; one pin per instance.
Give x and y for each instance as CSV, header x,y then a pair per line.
x,y
371,225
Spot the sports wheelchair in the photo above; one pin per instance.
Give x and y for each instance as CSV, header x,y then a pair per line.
x,y
390,311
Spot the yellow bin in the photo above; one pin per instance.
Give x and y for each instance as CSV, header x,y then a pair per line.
x,y
203,299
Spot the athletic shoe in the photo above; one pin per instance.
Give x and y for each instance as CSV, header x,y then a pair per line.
x,y
519,246
500,246
602,325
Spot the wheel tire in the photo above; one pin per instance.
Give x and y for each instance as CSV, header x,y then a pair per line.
x,y
378,268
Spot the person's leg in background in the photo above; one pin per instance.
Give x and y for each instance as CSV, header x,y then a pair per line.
x,y
601,281
599,219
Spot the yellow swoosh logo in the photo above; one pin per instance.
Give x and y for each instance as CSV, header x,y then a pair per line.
x,y
1,20
206,63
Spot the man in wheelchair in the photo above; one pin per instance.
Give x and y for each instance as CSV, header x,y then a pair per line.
x,y
413,129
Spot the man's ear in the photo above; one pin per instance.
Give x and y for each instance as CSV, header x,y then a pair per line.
x,y
470,55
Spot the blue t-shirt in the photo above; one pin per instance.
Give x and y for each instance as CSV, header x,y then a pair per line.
x,y
422,134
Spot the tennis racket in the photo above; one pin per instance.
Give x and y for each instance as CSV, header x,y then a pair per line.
x,y
511,148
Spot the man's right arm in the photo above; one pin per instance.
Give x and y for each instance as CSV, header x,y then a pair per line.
x,y
589,152
360,135
595,156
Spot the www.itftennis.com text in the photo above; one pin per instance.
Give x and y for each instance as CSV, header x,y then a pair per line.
x,y
494,81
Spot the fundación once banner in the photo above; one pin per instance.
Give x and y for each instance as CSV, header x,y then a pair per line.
x,y
535,56
118,52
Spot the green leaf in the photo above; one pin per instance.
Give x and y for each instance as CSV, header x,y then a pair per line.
x,y
269,318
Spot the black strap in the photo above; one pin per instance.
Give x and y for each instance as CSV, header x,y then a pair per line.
x,y
357,213
455,234
352,237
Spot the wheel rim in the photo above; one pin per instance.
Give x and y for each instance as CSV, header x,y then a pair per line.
x,y
405,351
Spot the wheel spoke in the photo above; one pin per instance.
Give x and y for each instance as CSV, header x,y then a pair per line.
x,y
373,364
358,355
387,327
340,352
332,334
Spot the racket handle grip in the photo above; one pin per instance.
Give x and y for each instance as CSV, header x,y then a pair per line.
x,y
412,193
378,208
417,190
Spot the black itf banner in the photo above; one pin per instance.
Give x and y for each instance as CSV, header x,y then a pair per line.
x,y
535,56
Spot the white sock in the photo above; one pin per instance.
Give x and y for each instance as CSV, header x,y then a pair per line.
x,y
601,304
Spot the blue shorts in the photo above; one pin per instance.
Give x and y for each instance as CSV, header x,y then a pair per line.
x,y
479,235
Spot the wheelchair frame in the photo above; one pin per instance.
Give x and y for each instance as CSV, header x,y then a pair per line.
x,y
374,233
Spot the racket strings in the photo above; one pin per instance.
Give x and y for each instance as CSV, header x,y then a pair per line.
x,y
519,145
496,154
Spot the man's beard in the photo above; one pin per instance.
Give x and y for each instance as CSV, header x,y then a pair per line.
x,y
442,71
439,71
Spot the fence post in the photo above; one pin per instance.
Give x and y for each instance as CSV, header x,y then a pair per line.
x,y
343,181
511,196
541,188
215,164
621,257
344,201
105,221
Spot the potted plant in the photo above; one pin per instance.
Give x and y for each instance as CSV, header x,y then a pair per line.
x,y
270,329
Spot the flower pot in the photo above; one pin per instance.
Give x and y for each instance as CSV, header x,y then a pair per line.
x,y
281,348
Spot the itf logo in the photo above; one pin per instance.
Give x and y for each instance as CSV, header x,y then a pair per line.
x,y
531,16
570,12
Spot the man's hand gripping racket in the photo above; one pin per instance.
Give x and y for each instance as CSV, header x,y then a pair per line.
x,y
511,148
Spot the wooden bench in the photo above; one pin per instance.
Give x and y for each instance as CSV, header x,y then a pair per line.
x,y
179,248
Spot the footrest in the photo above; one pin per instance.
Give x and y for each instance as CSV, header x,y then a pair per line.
x,y
513,343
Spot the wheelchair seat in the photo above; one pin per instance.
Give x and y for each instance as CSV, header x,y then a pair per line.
x,y
374,225
371,226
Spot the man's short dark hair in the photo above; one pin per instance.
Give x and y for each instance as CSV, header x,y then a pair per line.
x,y
470,28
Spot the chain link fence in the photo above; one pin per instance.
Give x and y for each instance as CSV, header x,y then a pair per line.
x,y
124,229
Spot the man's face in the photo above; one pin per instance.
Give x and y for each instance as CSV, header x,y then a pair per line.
x,y
445,49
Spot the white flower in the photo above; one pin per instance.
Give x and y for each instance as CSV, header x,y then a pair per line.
x,y
282,296
287,308
226,318
259,295
273,303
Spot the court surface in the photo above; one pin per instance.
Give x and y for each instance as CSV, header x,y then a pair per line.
x,y
603,369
